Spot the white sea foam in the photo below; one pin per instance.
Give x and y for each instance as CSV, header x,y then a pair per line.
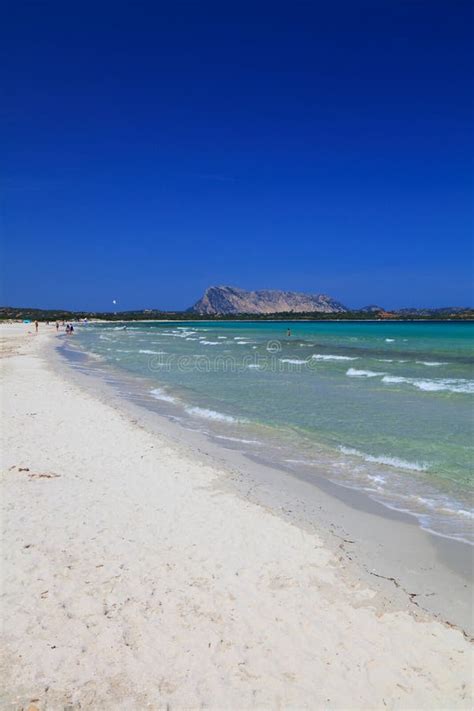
x,y
353,373
399,463
389,340
376,478
243,343
447,506
159,394
386,460
210,343
425,522
293,361
222,338
191,338
210,414
317,356
254,365
453,385
385,360
148,352
238,439
463,512
429,362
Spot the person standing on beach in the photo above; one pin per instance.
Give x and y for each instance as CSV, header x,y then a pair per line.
x,y
57,325
36,326
288,333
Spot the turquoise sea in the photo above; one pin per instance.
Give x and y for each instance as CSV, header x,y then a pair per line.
x,y
382,407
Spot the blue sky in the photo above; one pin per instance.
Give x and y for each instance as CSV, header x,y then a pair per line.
x,y
151,149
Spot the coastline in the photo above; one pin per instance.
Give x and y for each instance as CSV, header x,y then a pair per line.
x,y
160,572
390,546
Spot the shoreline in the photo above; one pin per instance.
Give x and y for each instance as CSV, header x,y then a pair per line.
x,y
431,571
163,574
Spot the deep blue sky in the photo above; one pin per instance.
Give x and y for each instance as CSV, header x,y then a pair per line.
x,y
151,149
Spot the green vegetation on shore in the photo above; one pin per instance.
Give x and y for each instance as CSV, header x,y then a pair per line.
x,y
8,313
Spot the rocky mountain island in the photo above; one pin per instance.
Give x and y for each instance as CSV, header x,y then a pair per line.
x,y
230,300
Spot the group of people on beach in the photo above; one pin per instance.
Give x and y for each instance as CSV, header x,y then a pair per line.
x,y
69,327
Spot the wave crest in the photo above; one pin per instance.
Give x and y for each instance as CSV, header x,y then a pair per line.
x,y
386,460
453,385
354,373
210,414
317,356
160,394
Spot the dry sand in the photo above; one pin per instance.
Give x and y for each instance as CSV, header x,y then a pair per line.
x,y
130,581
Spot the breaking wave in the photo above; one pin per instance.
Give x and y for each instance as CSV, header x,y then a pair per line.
x,y
354,373
429,362
453,385
210,414
386,460
293,361
317,356
238,439
159,394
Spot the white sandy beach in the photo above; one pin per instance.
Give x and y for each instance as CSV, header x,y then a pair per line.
x,y
131,580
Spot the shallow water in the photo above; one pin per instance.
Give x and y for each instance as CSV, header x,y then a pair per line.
x,y
383,407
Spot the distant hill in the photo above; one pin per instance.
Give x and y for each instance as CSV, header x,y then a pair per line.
x,y
372,308
448,313
230,300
